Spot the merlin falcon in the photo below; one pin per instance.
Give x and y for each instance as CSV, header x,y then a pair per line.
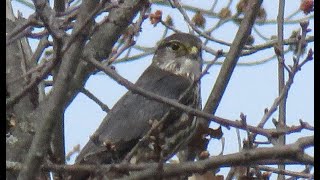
x,y
174,73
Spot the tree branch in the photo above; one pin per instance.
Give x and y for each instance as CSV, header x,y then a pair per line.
x,y
222,121
290,153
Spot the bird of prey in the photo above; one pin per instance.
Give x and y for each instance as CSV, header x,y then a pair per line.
x,y
174,73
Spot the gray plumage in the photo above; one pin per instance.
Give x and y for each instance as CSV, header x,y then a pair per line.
x,y
172,72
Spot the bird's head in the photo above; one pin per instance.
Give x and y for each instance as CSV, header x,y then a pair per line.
x,y
179,54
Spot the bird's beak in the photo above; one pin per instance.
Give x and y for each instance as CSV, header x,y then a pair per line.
x,y
193,50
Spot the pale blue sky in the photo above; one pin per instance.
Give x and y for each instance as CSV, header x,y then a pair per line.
x,y
250,90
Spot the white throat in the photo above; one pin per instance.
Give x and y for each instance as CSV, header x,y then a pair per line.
x,y
186,67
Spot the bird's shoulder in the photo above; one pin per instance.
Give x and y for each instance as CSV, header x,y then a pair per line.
x,y
133,111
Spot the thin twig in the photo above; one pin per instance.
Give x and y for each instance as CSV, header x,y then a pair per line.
x,y
213,14
285,172
192,25
34,82
17,31
281,140
285,90
103,106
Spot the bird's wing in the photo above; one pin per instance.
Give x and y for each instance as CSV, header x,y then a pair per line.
x,y
129,119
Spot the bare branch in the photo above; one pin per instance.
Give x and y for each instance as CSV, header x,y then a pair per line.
x,y
222,121
103,106
245,158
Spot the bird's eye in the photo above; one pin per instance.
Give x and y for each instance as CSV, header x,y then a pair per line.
x,y
175,46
